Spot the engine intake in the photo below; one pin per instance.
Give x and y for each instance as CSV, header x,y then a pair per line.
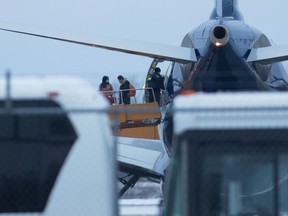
x,y
219,35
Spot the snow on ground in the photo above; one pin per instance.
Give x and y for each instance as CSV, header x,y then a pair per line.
x,y
144,199
137,207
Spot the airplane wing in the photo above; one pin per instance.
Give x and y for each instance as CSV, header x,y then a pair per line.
x,y
269,55
165,52
140,158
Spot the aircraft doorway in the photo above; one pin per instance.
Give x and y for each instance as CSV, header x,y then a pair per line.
x,y
173,80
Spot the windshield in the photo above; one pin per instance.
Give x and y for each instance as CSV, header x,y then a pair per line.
x,y
244,184
230,173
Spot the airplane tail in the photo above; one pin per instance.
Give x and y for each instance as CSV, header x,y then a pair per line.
x,y
226,8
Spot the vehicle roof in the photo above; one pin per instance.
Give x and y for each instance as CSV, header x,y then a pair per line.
x,y
230,110
224,100
71,91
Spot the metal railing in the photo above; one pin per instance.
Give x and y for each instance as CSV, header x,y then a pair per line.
x,y
118,94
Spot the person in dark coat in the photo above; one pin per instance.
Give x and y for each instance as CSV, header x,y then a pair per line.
x,y
124,90
156,82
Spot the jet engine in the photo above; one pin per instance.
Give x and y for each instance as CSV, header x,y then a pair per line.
x,y
219,35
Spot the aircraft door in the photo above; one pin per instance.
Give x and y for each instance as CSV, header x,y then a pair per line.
x,y
177,78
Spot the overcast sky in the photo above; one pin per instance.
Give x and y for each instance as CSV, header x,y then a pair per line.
x,y
159,21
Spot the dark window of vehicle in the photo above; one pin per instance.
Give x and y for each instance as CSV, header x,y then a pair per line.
x,y
34,145
235,172
238,184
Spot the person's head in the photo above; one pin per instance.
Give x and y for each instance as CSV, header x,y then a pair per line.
x,y
105,79
157,70
120,79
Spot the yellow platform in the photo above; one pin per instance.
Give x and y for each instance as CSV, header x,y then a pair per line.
x,y
137,120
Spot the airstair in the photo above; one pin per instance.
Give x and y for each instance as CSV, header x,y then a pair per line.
x,y
136,120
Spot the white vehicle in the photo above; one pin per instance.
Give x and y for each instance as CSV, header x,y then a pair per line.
x,y
231,155
57,155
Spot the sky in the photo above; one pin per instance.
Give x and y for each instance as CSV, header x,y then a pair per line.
x,y
157,21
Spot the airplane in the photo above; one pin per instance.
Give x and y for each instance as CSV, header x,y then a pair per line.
x,y
221,54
